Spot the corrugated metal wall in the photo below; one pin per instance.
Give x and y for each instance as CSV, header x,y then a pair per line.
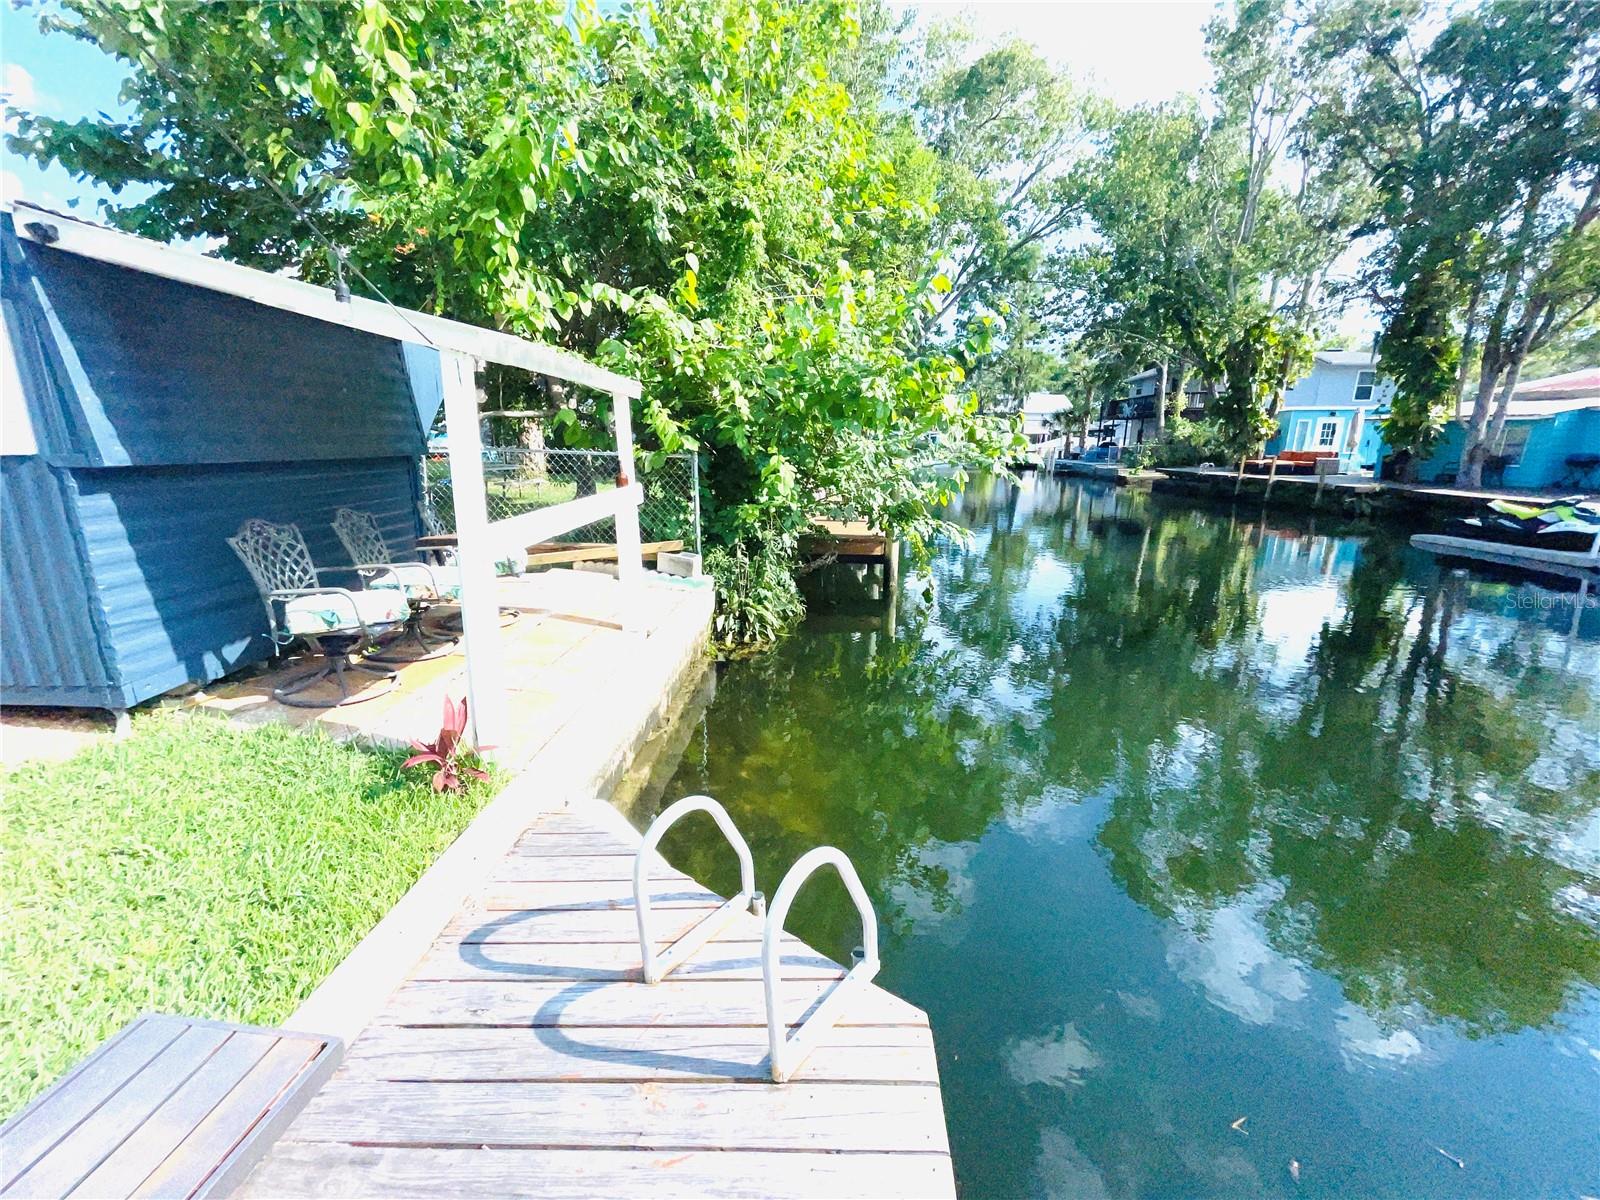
x,y
179,605
152,372
165,416
51,649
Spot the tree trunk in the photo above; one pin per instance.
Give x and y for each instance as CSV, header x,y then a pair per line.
x,y
1161,403
1477,449
1508,389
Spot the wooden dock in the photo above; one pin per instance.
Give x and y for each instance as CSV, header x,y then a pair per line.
x,y
524,1055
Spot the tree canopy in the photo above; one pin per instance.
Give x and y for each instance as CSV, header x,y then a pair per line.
x,y
838,244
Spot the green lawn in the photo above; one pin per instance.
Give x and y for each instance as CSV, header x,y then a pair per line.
x,y
194,868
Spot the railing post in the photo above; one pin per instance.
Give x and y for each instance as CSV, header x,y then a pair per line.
x,y
694,482
630,560
475,553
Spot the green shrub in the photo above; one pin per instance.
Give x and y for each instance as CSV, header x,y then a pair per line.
x,y
1186,444
757,598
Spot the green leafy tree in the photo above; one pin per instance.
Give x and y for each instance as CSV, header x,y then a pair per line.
x,y
690,192
1482,147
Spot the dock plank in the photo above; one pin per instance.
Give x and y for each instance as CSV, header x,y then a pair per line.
x,y
537,1004
681,1116
608,962
524,1053
572,895
586,868
868,1054
416,1173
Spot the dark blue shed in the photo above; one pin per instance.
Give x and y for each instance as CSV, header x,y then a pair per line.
x,y
145,420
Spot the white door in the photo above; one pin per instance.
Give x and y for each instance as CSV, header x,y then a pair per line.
x,y
1327,434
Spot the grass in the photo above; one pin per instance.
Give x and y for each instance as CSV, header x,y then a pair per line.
x,y
195,868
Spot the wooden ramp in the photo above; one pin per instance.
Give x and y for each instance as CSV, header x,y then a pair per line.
x,y
524,1055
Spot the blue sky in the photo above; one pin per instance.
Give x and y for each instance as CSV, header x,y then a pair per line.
x,y
57,76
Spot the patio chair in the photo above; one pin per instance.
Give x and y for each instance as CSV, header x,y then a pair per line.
x,y
424,585
336,623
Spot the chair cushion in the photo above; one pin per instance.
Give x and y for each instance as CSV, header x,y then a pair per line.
x,y
325,614
416,582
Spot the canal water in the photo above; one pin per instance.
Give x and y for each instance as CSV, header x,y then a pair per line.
x,y
1230,854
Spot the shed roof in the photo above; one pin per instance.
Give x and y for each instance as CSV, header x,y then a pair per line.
x,y
120,368
73,235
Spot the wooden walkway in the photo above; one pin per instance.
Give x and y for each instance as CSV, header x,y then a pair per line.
x,y
523,1055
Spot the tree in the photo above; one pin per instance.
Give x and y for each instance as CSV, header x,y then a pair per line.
x,y
1012,136
1483,148
694,197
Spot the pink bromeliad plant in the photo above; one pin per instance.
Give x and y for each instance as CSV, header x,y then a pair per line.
x,y
456,761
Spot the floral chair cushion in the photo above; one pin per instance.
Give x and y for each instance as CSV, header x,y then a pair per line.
x,y
326,613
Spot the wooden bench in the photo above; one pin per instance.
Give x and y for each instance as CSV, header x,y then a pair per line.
x,y
168,1107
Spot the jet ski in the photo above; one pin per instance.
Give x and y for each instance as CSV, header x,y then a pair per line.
x,y
1561,533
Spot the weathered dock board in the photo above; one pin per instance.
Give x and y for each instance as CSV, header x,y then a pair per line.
x,y
170,1106
524,1055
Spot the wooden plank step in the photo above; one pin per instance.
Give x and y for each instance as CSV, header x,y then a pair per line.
x,y
608,962
537,1004
586,926
169,1106
867,1054
589,868
574,895
298,1170
888,1118
563,845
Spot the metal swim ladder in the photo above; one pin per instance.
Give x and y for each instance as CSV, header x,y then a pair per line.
x,y
787,1051
658,966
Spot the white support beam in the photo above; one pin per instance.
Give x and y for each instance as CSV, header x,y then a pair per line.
x,y
475,550
88,240
513,534
630,561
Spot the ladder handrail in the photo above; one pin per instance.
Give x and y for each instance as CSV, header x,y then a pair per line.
x,y
658,966
789,1051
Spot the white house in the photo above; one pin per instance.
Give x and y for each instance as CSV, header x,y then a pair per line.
x,y
1038,411
1330,407
1132,419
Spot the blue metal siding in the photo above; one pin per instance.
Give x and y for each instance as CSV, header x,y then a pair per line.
x,y
152,373
52,650
1550,441
179,605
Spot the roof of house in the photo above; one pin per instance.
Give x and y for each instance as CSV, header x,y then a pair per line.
x,y
1571,385
1347,358
1533,409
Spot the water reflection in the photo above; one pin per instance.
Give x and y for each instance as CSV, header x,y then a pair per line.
x,y
1148,786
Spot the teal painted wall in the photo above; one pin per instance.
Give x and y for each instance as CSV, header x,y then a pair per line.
x,y
1544,459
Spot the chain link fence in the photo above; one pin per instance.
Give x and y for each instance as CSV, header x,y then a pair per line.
x,y
518,480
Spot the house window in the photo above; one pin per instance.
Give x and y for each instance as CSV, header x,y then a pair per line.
x,y
1365,382
1513,441
1327,434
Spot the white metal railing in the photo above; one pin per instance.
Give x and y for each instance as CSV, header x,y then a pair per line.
x,y
480,542
658,966
787,1051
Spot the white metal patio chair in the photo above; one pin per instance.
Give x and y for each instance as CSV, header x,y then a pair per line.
x,y
424,585
336,623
